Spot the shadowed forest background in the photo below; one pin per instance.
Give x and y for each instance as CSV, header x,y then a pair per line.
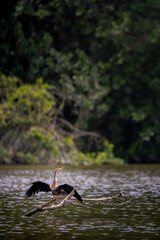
x,y
79,82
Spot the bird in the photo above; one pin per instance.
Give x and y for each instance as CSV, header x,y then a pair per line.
x,y
39,186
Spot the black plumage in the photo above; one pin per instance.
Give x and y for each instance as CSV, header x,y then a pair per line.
x,y
38,187
44,187
68,189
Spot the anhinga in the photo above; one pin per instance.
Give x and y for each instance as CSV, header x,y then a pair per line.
x,y
54,188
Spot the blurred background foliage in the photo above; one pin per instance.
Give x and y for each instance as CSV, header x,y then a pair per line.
x,y
80,81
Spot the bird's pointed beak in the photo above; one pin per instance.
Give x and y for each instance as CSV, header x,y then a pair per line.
x,y
60,168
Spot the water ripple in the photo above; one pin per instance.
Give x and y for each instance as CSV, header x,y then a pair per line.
x,y
137,217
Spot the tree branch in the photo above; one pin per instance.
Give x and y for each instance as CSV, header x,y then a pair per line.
x,y
78,132
43,207
103,199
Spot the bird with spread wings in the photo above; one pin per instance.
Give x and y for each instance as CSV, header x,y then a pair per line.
x,y
53,187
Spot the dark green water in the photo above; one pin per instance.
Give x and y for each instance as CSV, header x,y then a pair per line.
x,y
117,219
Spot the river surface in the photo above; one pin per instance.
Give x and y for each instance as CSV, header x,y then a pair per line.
x,y
135,215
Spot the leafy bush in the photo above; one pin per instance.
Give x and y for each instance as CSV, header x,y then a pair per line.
x,y
101,57
105,156
27,104
27,132
4,158
21,109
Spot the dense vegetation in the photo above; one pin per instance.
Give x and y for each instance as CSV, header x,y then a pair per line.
x,y
89,81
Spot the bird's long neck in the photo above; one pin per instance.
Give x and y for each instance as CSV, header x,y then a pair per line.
x,y
54,183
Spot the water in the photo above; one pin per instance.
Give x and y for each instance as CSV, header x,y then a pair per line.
x,y
135,215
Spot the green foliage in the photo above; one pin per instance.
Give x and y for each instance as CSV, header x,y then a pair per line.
x,y
28,158
3,155
24,112
37,140
98,158
7,86
27,104
105,156
68,144
101,57
26,139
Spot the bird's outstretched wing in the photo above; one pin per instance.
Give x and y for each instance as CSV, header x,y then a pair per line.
x,y
38,187
68,189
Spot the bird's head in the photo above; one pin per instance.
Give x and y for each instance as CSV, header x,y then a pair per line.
x,y
59,169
